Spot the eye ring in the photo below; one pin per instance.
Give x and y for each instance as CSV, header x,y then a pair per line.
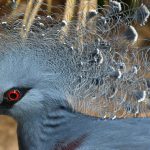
x,y
13,95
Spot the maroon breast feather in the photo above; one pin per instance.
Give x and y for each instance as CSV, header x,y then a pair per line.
x,y
73,145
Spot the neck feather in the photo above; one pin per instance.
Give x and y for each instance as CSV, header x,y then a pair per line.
x,y
51,129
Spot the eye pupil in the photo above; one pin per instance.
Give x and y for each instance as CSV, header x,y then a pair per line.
x,y
13,95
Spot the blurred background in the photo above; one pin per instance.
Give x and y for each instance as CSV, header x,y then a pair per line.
x,y
12,9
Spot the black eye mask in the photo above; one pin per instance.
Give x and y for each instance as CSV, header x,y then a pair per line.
x,y
13,95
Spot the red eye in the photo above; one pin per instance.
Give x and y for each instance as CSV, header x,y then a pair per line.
x,y
13,95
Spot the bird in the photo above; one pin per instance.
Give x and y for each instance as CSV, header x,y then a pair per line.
x,y
39,83
35,99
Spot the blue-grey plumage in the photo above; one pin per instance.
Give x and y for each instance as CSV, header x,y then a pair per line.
x,y
131,34
115,6
142,14
45,118
140,96
41,74
43,110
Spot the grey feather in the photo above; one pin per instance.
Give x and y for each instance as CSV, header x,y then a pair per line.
x,y
63,72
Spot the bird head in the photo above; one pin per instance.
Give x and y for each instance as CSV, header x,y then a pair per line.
x,y
27,86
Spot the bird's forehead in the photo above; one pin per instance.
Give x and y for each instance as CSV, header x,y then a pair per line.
x,y
18,70
29,65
